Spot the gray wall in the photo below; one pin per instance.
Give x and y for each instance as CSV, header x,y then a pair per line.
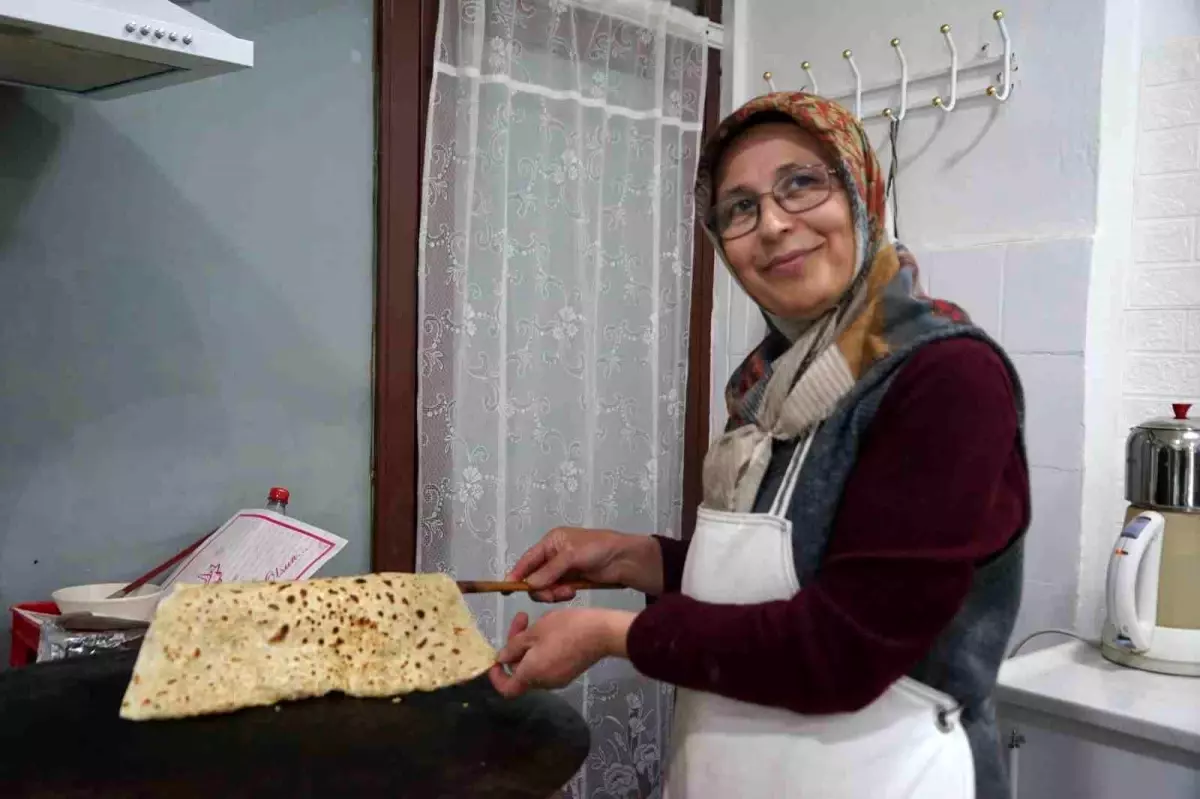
x,y
186,304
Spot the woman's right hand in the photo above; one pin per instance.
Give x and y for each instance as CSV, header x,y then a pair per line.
x,y
602,556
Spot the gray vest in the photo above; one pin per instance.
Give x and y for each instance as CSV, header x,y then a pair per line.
x,y
966,657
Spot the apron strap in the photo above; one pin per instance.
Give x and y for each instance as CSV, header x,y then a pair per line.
x,y
783,497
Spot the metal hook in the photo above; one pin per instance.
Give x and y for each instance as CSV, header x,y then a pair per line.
x,y
807,67
770,83
938,101
1002,94
849,56
903,83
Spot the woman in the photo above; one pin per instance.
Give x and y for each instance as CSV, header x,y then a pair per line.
x,y
836,623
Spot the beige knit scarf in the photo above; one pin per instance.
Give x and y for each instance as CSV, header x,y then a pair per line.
x,y
794,402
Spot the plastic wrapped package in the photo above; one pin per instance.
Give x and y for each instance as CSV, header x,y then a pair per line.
x,y
57,643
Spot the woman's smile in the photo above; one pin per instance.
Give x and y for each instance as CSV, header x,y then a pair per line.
x,y
790,264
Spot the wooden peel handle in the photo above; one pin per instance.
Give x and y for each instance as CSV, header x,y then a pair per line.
x,y
499,586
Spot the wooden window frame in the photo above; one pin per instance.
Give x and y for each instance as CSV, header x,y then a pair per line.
x,y
405,33
696,408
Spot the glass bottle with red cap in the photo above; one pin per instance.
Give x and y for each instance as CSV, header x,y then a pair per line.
x,y
277,500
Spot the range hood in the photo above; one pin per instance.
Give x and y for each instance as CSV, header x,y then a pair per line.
x,y
111,48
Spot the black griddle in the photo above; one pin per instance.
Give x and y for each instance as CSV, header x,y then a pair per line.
x,y
60,736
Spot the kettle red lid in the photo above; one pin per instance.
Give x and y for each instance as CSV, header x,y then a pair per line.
x,y
1181,409
279,494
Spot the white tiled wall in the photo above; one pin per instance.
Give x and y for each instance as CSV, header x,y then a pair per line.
x,y
1161,362
1032,298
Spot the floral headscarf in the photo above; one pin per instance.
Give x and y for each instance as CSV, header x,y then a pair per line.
x,y
797,375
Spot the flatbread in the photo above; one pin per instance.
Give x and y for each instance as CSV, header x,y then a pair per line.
x,y
220,648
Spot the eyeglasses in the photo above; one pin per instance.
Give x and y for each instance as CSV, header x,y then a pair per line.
x,y
799,189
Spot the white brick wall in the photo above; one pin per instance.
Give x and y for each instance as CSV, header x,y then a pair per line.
x,y
1144,337
1171,150
1162,298
1162,196
1154,331
1170,105
1165,241
1180,65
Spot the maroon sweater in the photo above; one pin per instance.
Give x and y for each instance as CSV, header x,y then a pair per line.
x,y
939,486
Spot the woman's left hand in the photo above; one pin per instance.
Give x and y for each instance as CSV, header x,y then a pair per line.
x,y
559,647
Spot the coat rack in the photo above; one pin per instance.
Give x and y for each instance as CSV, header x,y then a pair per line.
x,y
947,105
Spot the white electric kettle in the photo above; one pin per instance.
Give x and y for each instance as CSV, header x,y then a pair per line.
x,y
1153,592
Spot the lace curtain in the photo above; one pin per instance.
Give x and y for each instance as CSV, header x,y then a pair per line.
x,y
557,240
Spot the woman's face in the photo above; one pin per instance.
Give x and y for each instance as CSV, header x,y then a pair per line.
x,y
794,265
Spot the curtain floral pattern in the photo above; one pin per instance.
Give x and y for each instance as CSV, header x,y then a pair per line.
x,y
557,230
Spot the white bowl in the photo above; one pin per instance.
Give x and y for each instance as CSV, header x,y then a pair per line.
x,y
138,606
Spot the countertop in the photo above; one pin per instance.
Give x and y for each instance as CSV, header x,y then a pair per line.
x,y
1074,681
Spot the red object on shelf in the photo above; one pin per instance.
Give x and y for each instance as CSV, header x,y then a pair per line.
x,y
277,500
25,633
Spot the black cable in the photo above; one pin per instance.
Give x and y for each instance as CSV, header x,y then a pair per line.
x,y
1012,653
891,192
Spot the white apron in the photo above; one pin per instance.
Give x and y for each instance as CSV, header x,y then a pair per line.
x,y
908,743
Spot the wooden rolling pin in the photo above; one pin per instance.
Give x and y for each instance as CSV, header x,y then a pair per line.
x,y
499,586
